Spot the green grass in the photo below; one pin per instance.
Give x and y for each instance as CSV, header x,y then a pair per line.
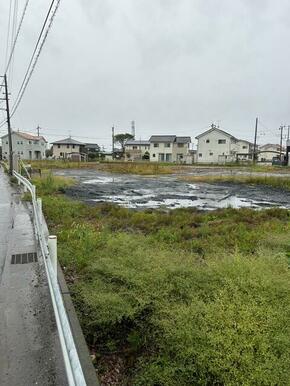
x,y
276,182
142,168
179,297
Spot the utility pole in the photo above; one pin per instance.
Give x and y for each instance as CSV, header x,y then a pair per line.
x,y
9,127
255,141
113,142
281,141
288,132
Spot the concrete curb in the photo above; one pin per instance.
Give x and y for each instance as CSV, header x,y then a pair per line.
x,y
81,345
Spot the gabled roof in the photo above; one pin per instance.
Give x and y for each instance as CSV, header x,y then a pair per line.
x,y
162,138
92,146
267,145
68,141
27,136
131,142
183,140
216,129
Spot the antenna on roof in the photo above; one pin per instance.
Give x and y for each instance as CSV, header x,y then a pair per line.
x,y
69,134
38,129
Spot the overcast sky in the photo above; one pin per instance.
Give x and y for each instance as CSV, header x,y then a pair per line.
x,y
173,66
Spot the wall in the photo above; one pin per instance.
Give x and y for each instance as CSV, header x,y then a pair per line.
x,y
210,152
24,148
61,151
136,152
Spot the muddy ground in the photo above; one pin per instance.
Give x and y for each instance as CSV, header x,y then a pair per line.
x,y
141,192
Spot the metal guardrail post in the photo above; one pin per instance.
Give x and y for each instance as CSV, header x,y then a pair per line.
x,y
52,247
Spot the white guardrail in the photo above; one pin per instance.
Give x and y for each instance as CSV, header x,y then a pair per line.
x,y
73,367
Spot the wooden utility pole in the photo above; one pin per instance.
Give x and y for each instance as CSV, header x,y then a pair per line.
x,y
9,127
255,141
281,141
113,142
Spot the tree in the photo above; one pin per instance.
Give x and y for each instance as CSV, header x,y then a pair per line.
x,y
122,138
49,152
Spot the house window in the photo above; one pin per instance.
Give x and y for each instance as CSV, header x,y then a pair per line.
x,y
156,144
210,153
167,145
29,142
58,146
21,143
221,141
244,147
61,154
134,147
153,155
200,155
17,142
207,141
6,142
180,145
67,146
73,146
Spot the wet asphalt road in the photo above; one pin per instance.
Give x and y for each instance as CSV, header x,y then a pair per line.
x,y
141,192
30,352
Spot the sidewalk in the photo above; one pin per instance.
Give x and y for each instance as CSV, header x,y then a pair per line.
x,y
30,352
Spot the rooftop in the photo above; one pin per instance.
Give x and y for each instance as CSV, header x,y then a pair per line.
x,y
169,138
27,136
138,143
216,129
68,141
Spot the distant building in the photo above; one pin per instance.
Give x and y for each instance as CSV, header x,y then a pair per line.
x,y
137,150
92,150
69,148
268,152
26,146
170,148
218,146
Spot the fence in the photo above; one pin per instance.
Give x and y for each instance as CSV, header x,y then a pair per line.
x,y
73,367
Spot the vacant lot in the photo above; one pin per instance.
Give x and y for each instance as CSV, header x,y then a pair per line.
x,y
179,297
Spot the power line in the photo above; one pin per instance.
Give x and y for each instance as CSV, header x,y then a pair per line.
x,y
13,32
16,36
37,50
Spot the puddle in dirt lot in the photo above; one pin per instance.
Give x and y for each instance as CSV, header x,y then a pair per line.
x,y
133,191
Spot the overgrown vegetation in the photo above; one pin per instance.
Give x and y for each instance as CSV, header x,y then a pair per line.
x,y
276,182
142,168
179,297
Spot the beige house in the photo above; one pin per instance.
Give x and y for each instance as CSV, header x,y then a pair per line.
x,y
137,150
170,148
68,148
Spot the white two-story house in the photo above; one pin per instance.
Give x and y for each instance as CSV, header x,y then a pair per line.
x,y
170,148
218,146
25,146
269,151
137,150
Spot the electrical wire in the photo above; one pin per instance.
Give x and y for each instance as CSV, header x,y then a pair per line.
x,y
36,53
14,24
16,36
